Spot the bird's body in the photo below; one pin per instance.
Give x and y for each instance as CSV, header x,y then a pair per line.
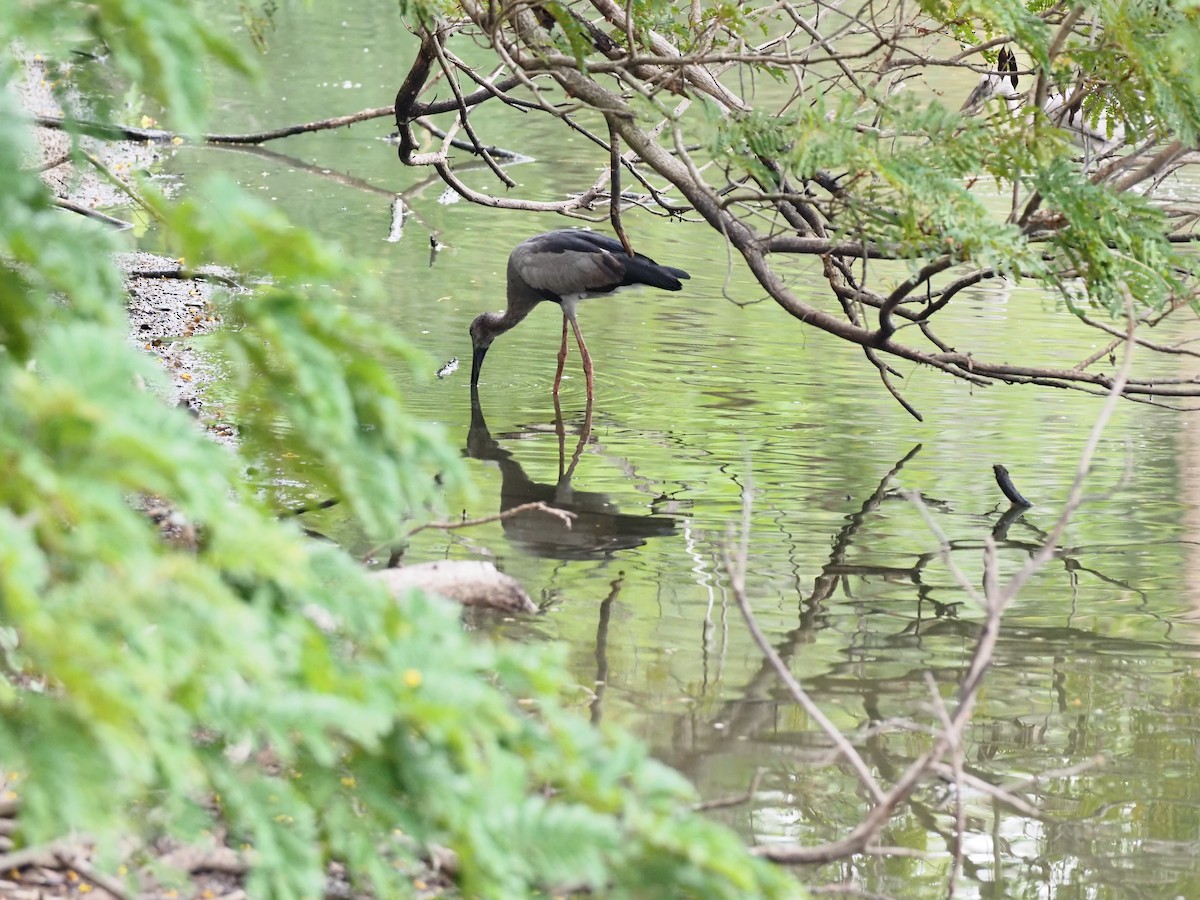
x,y
564,267
1098,135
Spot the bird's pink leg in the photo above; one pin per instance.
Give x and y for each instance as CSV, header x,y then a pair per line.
x,y
561,431
587,359
562,357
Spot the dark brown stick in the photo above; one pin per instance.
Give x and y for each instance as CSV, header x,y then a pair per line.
x,y
160,136
1004,480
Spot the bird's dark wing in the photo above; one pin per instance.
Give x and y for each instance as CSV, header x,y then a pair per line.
x,y
640,269
564,262
581,262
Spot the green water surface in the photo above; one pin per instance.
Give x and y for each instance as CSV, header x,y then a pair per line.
x,y
705,394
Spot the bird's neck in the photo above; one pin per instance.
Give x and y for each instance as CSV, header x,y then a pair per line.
x,y
500,322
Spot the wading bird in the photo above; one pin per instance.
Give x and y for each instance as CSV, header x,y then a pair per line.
x,y
1078,110
564,267
1001,83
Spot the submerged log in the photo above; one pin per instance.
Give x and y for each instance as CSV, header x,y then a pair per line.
x,y
469,582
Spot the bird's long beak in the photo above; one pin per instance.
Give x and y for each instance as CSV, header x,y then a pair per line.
x,y
477,364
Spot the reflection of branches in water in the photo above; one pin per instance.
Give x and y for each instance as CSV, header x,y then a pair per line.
x,y
292,162
837,571
758,707
949,739
826,582
602,648
1067,555
756,713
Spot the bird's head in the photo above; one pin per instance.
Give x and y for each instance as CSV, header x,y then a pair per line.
x,y
482,336
1001,83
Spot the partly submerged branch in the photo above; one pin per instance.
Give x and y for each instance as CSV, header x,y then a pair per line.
x,y
110,132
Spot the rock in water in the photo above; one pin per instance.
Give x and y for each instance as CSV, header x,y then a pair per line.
x,y
469,582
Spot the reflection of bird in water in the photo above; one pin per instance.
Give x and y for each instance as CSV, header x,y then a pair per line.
x,y
565,267
599,528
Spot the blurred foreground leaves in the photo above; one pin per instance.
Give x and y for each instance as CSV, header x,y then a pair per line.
x,y
258,684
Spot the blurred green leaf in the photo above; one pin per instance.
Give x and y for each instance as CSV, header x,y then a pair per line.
x,y
249,680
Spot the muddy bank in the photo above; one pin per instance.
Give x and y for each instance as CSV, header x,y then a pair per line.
x,y
165,309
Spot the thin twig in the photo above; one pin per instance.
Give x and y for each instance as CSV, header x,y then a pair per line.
x,y
737,799
963,779
73,860
72,206
563,515
614,186
956,770
464,115
54,163
736,570
121,186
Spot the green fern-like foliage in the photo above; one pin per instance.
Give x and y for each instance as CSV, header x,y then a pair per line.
x,y
257,682
908,168
1112,243
904,184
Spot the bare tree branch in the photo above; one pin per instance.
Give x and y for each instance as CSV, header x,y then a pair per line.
x,y
771,206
